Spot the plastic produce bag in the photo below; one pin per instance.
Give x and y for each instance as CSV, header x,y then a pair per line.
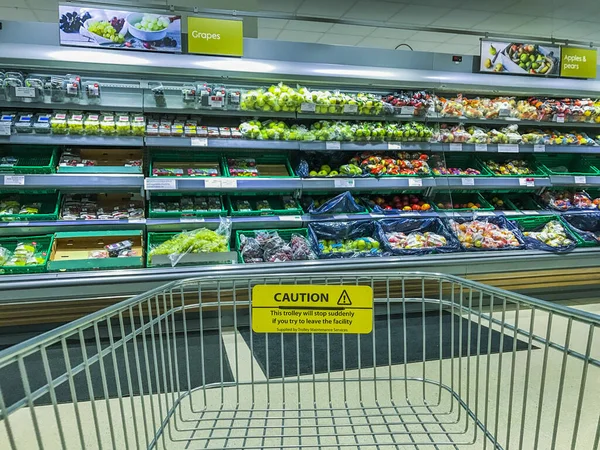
x,y
587,226
268,246
201,240
4,255
487,233
345,239
342,203
551,237
416,236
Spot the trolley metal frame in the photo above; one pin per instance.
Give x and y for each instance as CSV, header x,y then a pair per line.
x,y
493,370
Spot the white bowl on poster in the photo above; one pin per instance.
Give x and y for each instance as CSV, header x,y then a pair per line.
x,y
142,35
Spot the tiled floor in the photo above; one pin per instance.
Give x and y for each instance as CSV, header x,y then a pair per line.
x,y
350,410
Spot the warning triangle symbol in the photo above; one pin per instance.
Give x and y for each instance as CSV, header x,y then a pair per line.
x,y
344,299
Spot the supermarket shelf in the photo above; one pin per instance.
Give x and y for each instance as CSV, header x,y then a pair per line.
x,y
68,285
53,139
120,104
510,121
571,180
221,113
368,146
223,184
47,227
492,183
234,144
237,223
73,182
366,184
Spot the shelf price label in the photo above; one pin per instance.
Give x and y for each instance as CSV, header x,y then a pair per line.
x,y
333,145
350,109
407,110
456,147
340,216
344,183
468,181
191,220
394,146
560,118
25,92
529,182
580,180
14,180
539,148
157,184
290,218
229,183
481,147
212,183
199,142
508,148
415,182
308,107
5,128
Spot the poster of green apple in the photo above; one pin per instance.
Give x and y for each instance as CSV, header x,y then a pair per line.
x,y
520,58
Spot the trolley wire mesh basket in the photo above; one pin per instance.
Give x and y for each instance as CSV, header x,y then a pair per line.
x,y
450,363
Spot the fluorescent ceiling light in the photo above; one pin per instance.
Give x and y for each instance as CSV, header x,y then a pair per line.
x,y
235,64
94,56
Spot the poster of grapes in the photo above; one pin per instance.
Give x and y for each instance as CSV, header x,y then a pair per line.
x,y
106,28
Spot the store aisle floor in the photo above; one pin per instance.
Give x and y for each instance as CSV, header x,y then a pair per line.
x,y
351,411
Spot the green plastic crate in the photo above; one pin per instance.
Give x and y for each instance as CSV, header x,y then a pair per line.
x,y
182,158
594,161
44,242
191,259
461,197
261,160
31,159
50,202
152,214
285,234
81,263
530,223
509,198
464,161
555,163
275,201
580,241
500,157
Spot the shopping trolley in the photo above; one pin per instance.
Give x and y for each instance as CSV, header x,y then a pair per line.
x,y
449,363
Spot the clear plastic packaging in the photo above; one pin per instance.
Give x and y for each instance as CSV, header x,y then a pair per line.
x,y
107,124
218,97
13,82
553,236
59,123
75,123
123,125
35,90
24,123
41,123
158,93
138,125
73,88
91,124
57,89
188,95
489,233
93,92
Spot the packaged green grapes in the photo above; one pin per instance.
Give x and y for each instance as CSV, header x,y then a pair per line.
x,y
201,240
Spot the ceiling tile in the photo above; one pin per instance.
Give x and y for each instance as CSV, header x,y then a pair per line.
x,y
576,30
495,5
438,3
17,14
503,22
391,33
428,36
536,8
15,4
298,36
339,39
268,33
373,10
288,6
303,25
352,30
324,8
272,23
418,15
541,27
456,49
573,13
462,19
373,42
48,5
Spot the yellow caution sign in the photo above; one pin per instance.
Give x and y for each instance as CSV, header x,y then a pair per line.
x,y
293,308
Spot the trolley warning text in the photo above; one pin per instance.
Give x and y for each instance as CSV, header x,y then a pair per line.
x,y
310,317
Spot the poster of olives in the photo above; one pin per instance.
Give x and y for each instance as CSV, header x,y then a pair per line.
x,y
107,28
520,59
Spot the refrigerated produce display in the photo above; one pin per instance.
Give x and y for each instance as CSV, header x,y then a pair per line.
x,y
186,173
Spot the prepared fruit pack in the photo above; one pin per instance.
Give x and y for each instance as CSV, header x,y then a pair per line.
x,y
564,200
270,246
345,239
408,236
386,164
396,204
492,233
102,207
512,167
